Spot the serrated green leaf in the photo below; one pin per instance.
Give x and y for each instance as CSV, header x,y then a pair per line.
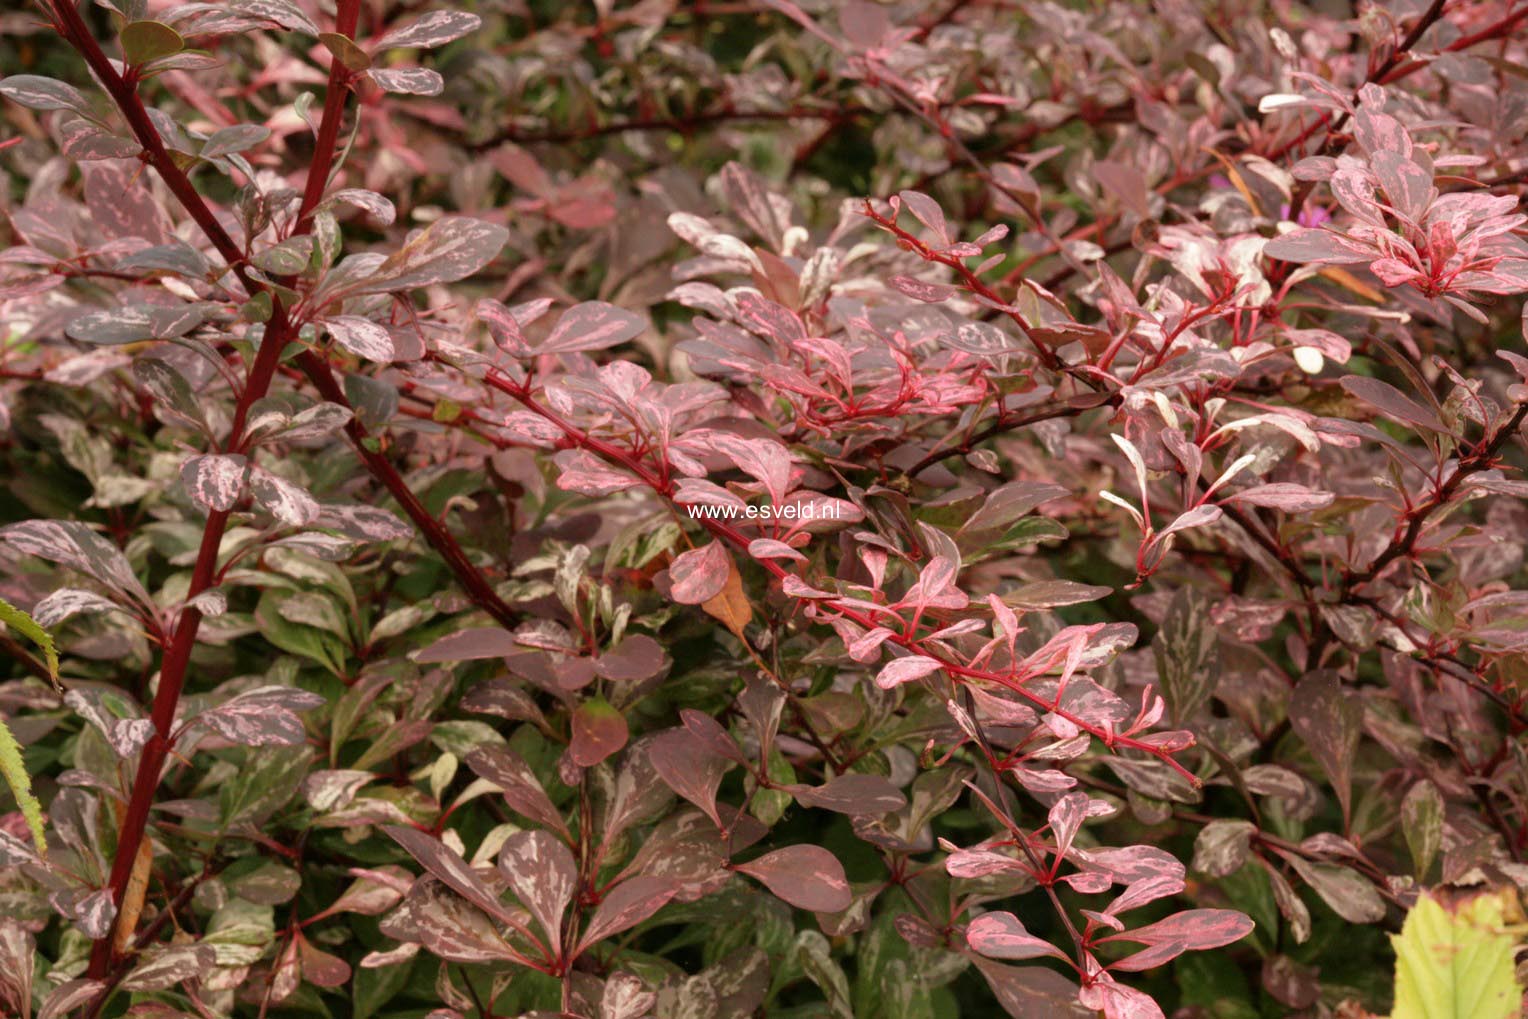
x,y
1456,962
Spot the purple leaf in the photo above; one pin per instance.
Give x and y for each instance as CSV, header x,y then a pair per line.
x,y
1392,402
433,29
599,730
518,784
1329,721
807,877
471,645
445,863
1283,495
288,503
625,906
689,768
852,794
413,81
543,875
638,657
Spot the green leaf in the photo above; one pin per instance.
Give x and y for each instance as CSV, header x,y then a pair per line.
x,y
12,767
143,41
25,625
15,771
1455,962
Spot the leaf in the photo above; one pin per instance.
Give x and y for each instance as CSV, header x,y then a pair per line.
x,y
731,606
689,768
1285,496
623,907
1329,723
1193,930
599,730
344,49
143,41
1033,992
1187,654
433,29
172,966
288,503
905,670
38,93
1002,936
852,794
518,785
262,717
447,865
592,325
1221,847
543,875
1393,403
134,323
808,877
448,250
471,645
14,770
227,141
33,631
701,574
447,925
215,481
1004,506
415,81
1422,824
362,337
1349,893
1455,961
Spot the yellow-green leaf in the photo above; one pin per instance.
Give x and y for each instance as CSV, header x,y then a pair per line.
x,y
350,56
143,41
12,767
1454,960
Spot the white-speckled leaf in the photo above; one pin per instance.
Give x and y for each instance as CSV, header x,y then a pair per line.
x,y
447,250
214,481
543,876
285,501
362,337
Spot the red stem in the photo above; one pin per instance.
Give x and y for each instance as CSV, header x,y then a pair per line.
x,y
665,488
278,332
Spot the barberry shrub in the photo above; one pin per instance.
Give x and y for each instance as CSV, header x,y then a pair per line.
x,y
735,509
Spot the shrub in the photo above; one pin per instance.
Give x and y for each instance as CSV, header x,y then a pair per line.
x,y
750,509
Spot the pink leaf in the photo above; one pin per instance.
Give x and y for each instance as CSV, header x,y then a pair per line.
x,y
808,877
905,670
700,574
1002,936
593,325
